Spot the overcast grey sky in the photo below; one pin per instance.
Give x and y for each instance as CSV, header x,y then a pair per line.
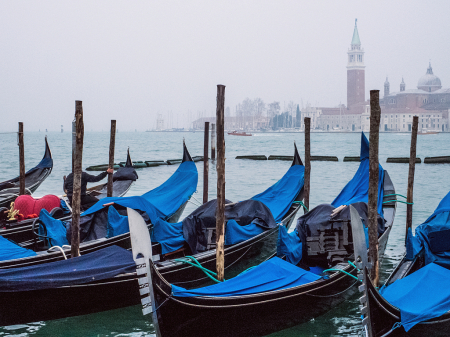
x,y
129,60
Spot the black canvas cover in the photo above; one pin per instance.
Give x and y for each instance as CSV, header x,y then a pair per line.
x,y
244,213
319,219
125,173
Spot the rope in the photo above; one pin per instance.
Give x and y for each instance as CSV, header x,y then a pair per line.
x,y
302,204
197,264
395,326
342,271
389,195
404,202
5,133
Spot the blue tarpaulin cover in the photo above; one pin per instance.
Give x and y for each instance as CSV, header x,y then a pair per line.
x,y
176,190
98,265
169,235
423,295
235,233
9,250
162,201
271,275
437,226
135,202
289,245
357,189
56,229
279,197
117,224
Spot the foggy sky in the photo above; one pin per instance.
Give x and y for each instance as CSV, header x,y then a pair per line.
x,y
129,60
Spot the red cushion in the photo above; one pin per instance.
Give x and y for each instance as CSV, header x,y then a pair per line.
x,y
27,205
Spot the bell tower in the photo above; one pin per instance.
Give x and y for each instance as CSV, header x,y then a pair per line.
x,y
355,71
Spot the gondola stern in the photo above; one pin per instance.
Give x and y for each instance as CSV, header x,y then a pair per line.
x,y
47,159
129,163
186,154
297,160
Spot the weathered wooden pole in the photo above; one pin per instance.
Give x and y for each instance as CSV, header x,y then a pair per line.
x,y
307,161
112,145
21,161
375,113
213,141
205,164
412,167
220,215
76,197
74,141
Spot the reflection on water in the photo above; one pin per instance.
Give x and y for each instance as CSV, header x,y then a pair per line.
x,y
244,178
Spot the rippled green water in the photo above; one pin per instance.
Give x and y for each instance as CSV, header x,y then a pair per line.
x,y
244,178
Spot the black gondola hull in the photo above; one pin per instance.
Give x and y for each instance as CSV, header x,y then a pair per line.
x,y
48,304
382,316
252,315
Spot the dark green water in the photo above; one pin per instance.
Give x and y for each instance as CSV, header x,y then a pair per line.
x,y
244,178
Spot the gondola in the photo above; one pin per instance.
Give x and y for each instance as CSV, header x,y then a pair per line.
x,y
221,310
21,231
414,300
179,187
241,255
9,190
121,290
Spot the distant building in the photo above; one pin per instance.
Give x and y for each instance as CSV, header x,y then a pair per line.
x,y
234,123
429,101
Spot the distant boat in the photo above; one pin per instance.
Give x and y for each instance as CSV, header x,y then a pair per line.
x,y
237,133
427,132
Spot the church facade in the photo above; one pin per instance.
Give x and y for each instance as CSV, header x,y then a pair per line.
x,y
429,101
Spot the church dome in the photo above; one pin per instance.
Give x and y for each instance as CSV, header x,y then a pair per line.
x,y
429,82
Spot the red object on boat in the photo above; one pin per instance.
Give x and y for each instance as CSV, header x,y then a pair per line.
x,y
237,133
28,205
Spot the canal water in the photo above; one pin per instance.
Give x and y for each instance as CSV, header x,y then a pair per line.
x,y
244,178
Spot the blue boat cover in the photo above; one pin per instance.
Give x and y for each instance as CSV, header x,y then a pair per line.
x,y
357,189
10,250
169,235
169,197
101,264
117,224
136,202
235,233
274,274
423,295
433,236
289,245
279,197
56,229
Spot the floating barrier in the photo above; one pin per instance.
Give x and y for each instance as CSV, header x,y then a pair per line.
x,y
174,161
288,158
139,164
103,167
197,158
404,160
348,158
152,163
437,160
256,157
324,158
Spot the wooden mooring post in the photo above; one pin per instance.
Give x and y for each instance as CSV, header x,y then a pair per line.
x,y
76,197
412,167
112,145
21,160
375,113
213,141
307,161
205,164
74,141
220,215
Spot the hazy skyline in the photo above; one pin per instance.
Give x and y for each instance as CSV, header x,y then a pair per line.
x,y
132,60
